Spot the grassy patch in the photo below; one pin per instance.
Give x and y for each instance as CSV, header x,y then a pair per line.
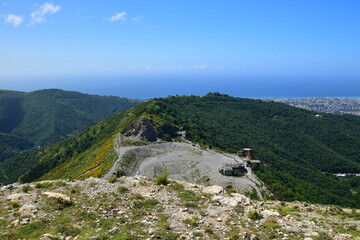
x,y
254,215
162,179
123,189
189,196
112,179
43,184
146,203
56,204
193,222
177,187
26,189
239,209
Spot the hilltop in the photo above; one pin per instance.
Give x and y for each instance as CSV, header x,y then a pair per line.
x,y
44,117
138,208
299,151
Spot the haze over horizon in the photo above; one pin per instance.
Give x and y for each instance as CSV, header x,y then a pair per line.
x,y
146,49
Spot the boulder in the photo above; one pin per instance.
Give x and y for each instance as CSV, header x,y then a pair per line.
x,y
242,199
28,208
226,201
58,196
213,189
48,236
267,213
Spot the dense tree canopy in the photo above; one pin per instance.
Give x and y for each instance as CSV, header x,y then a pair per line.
x,y
45,117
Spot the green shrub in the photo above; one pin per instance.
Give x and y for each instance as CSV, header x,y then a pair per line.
x,y
230,189
136,197
123,189
147,203
271,224
239,208
177,187
57,203
166,137
193,222
26,189
163,179
254,215
43,184
75,190
112,179
189,195
60,183
209,230
14,204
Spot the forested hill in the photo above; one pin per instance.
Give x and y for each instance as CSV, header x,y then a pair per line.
x,y
45,117
299,151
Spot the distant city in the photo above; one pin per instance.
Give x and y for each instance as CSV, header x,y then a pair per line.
x,y
324,104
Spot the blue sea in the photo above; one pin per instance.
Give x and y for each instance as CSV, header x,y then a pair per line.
x,y
146,87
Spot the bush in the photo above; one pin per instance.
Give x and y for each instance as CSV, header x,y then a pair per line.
x,y
177,187
57,203
122,189
14,204
188,196
75,190
43,184
239,208
254,215
112,179
193,222
147,203
163,179
230,189
209,230
26,189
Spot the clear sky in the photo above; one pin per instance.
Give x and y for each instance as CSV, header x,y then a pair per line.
x,y
94,45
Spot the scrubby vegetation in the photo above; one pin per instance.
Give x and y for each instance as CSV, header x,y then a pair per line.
x,y
162,179
138,208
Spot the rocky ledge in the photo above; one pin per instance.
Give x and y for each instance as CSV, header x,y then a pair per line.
x,y
139,208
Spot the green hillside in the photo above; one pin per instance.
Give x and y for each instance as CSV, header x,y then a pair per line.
x,y
47,116
11,145
299,151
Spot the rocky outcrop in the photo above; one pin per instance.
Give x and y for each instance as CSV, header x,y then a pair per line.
x,y
146,129
137,208
59,196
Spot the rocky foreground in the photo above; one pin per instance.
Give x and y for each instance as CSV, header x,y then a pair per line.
x,y
139,208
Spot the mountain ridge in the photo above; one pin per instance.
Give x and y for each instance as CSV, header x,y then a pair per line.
x,y
295,146
44,117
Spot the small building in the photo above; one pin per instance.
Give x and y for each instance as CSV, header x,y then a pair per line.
x,y
233,169
249,162
227,171
247,152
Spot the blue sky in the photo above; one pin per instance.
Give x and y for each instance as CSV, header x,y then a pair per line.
x,y
67,44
